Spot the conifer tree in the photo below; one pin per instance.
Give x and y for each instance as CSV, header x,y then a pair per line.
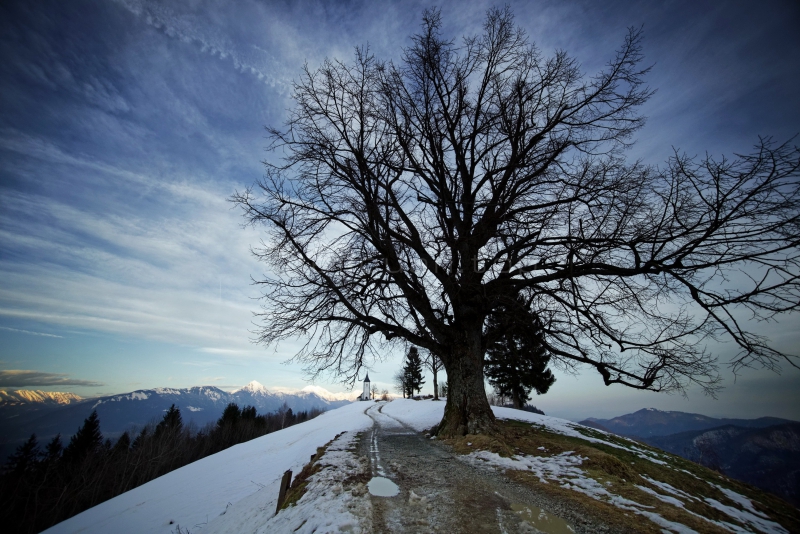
x,y
516,362
231,415
172,422
140,440
25,458
87,440
413,371
123,444
53,449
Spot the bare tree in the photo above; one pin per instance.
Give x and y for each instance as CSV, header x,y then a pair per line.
x,y
433,364
401,382
416,198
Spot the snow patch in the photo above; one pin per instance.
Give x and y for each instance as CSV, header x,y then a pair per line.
x,y
326,506
167,391
748,516
253,387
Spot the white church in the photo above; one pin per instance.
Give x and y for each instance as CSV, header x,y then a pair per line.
x,y
366,394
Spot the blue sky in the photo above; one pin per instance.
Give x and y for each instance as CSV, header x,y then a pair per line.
x,y
126,125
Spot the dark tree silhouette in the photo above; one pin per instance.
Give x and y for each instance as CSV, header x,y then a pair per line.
x,y
25,458
412,371
53,449
141,438
36,492
230,416
123,444
434,364
401,381
516,360
85,441
414,198
171,423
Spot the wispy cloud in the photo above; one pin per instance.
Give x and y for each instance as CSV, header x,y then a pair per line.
x,y
18,378
20,331
213,40
212,350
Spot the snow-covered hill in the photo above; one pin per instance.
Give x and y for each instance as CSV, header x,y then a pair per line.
x,y
244,478
236,490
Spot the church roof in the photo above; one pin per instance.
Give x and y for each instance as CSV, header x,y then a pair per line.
x,y
367,379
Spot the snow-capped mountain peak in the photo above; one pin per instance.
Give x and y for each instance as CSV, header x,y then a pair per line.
x,y
23,396
316,391
253,387
327,395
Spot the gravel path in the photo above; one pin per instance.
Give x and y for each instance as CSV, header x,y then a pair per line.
x,y
440,493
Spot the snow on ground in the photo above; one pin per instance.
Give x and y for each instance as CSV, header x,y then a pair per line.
x,y
194,495
326,506
236,490
419,415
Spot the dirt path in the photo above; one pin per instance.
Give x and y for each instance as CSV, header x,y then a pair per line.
x,y
439,493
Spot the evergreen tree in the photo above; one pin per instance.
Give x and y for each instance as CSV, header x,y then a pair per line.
x,y
25,458
87,440
413,371
171,423
231,415
53,449
516,362
140,440
123,444
249,413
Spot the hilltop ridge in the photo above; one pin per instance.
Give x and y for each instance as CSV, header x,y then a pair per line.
x,y
613,481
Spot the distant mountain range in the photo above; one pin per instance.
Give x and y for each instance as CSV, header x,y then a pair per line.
x,y
22,396
764,452
768,458
23,412
651,422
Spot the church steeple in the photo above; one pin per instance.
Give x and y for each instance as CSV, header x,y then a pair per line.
x,y
366,394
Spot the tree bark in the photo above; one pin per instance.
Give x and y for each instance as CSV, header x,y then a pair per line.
x,y
435,387
467,410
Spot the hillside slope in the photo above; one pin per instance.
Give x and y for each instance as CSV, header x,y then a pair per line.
x,y
624,484
768,458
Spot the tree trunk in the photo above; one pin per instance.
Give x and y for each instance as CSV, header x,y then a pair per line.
x,y
435,386
516,401
467,410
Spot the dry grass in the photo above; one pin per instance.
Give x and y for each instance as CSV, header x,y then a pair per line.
x,y
620,471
